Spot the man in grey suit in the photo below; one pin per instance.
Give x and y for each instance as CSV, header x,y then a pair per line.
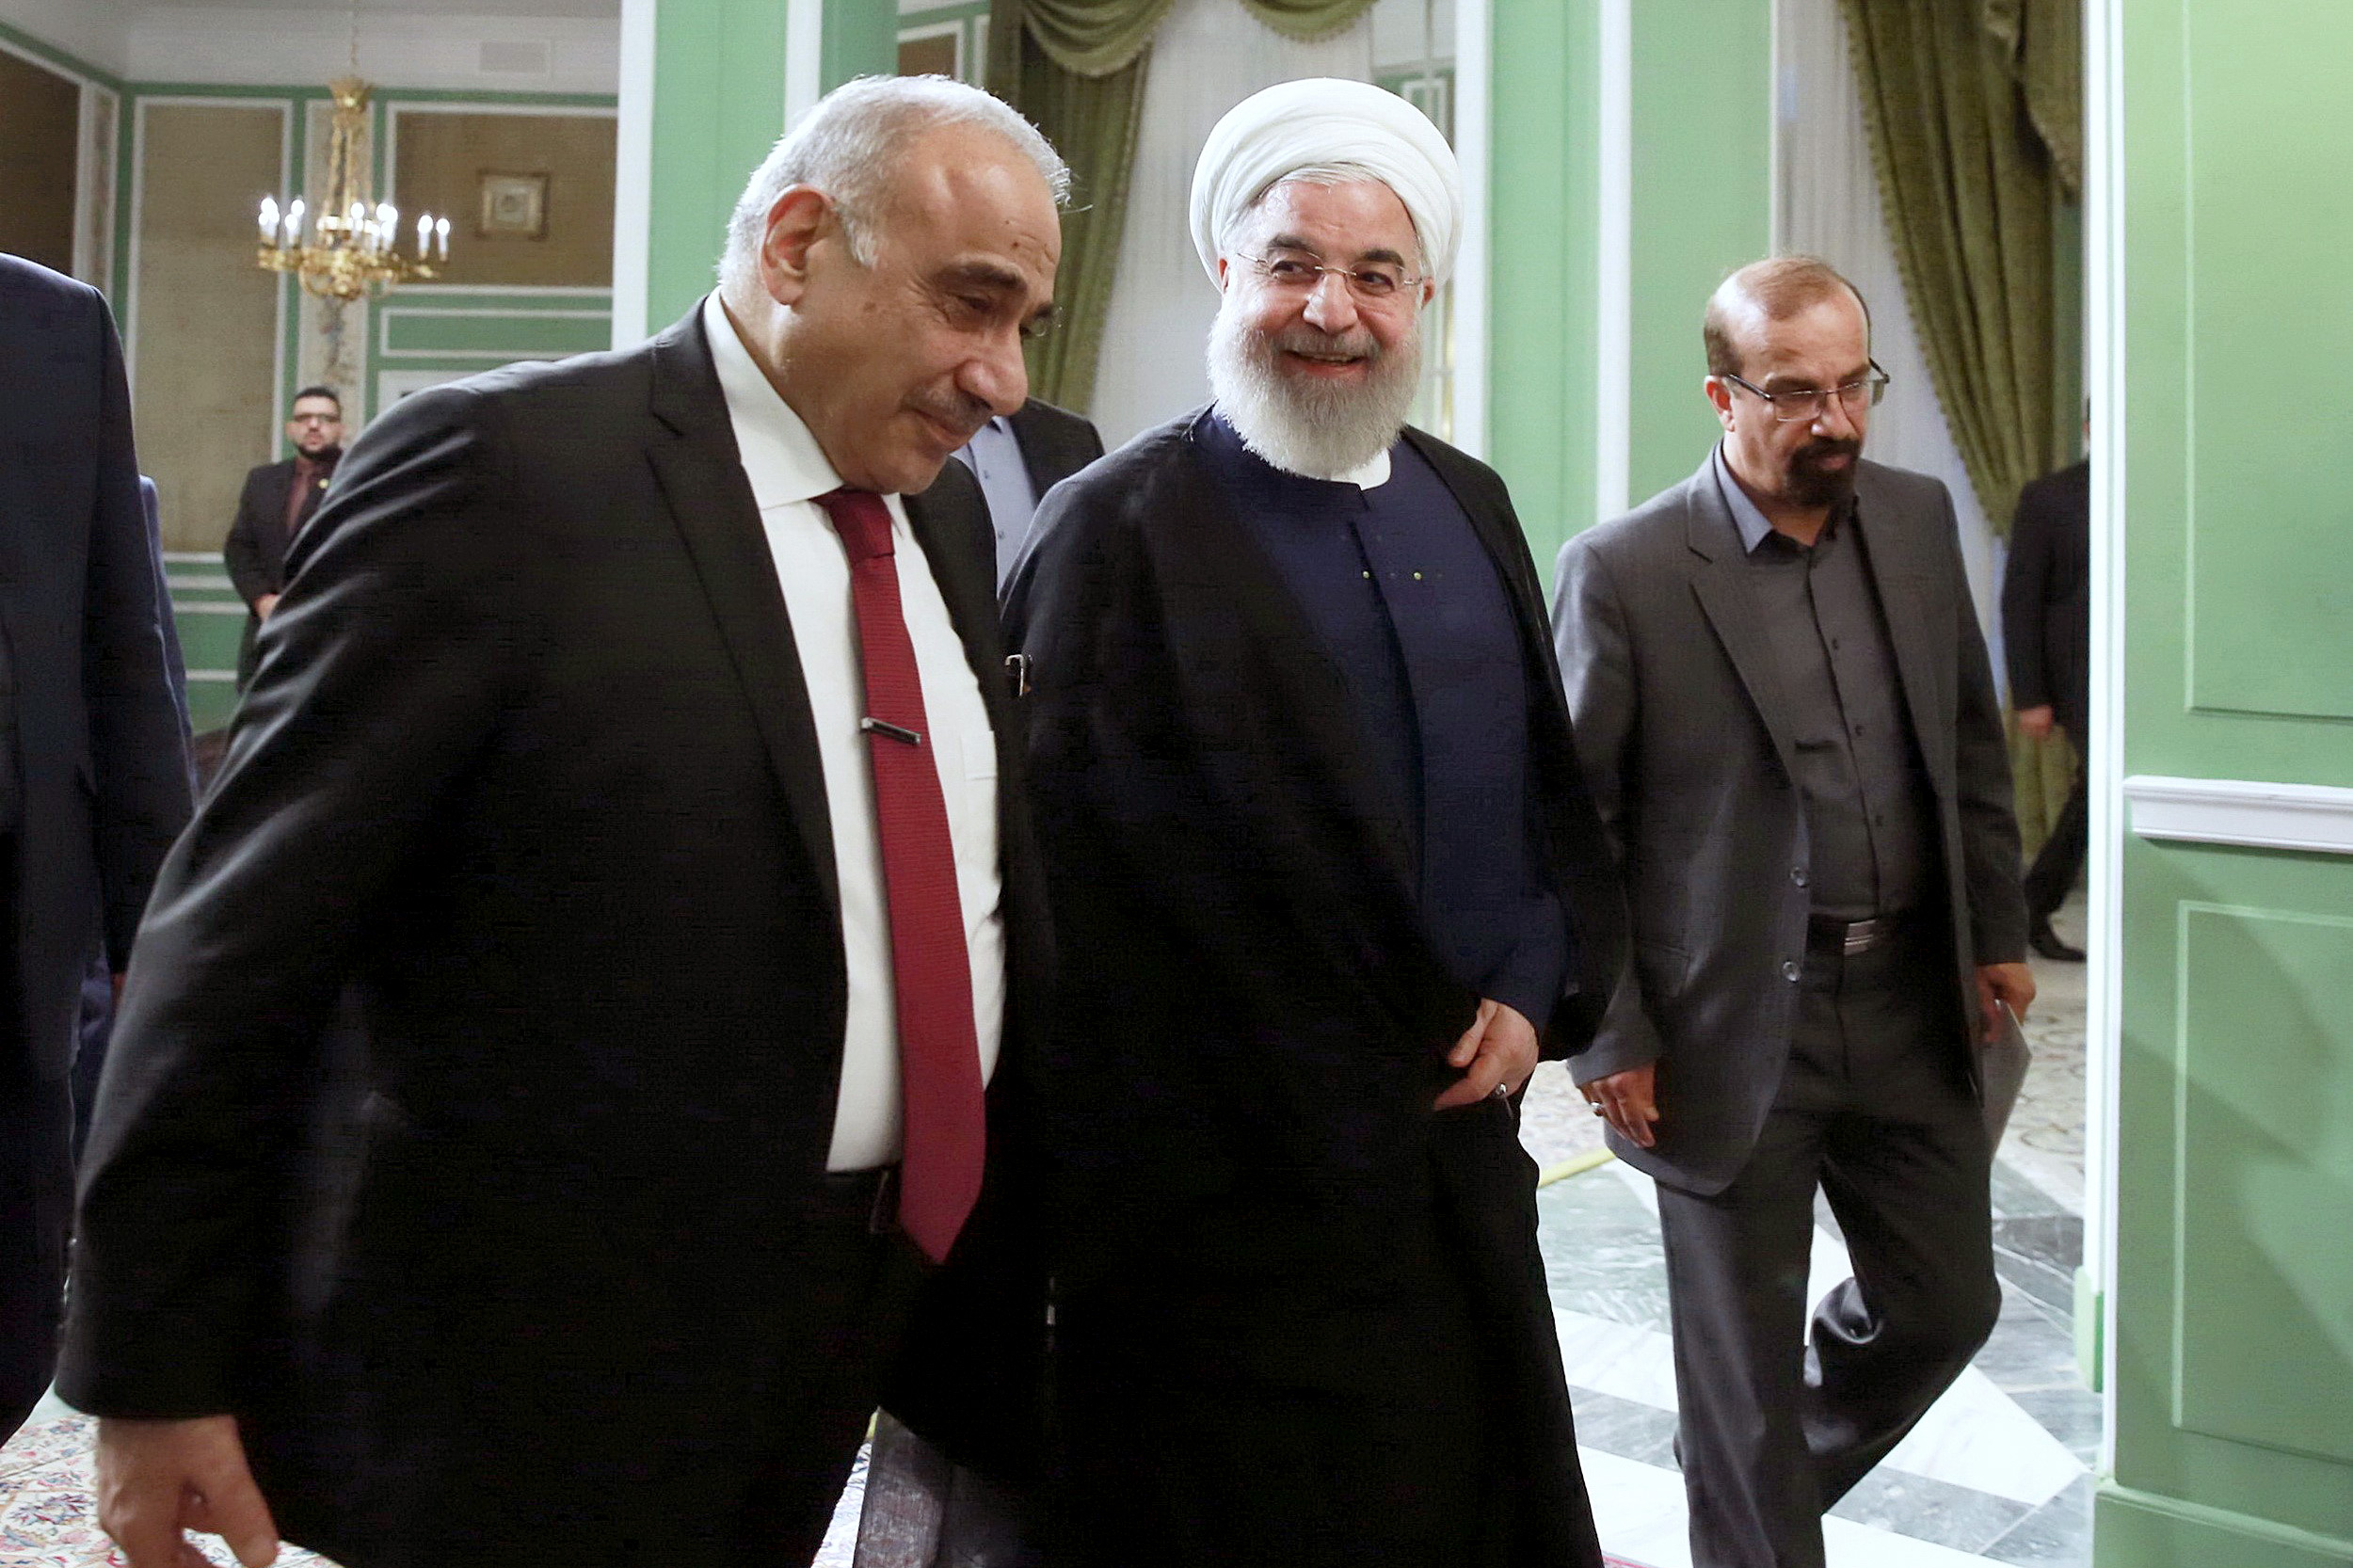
x,y
1785,713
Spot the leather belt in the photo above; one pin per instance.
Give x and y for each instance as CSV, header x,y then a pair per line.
x,y
872,1194
1851,938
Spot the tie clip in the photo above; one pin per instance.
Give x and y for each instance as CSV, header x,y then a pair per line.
x,y
878,727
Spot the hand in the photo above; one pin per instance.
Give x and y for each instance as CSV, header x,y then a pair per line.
x,y
1500,1048
264,605
1628,1101
2036,724
157,1478
1999,982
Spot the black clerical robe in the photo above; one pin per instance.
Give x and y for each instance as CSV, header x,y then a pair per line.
x,y
1236,1104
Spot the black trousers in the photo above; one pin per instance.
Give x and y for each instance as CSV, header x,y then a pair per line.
x,y
1876,1109
2061,857
1303,1421
36,1188
859,1286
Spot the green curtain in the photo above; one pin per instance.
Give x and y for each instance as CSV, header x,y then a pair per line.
x,y
1974,119
1077,69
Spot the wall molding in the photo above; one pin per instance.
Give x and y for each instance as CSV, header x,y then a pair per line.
x,y
2313,818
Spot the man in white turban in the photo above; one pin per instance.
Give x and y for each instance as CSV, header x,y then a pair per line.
x,y
1326,883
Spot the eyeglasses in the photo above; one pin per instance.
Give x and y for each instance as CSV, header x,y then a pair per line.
x,y
1296,272
1808,402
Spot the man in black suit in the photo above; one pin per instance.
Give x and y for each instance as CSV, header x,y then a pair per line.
x,y
1328,884
93,758
278,498
632,743
1018,459
1785,712
2046,631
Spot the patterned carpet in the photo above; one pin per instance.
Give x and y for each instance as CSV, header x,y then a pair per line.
x,y
47,1519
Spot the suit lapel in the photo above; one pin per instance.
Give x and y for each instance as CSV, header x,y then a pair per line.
x,y
1720,578
710,502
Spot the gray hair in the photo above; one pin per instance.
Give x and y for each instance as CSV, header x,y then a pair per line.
x,y
847,147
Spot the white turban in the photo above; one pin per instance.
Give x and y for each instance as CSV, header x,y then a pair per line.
x,y
1324,120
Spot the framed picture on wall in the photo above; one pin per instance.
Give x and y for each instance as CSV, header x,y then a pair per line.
x,y
514,207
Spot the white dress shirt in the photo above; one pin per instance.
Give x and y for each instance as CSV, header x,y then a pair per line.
x,y
788,471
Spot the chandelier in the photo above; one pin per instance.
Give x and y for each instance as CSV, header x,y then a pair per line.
x,y
347,245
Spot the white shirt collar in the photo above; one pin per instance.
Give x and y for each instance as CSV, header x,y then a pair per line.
x,y
780,457
1371,477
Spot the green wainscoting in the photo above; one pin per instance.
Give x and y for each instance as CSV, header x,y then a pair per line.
x,y
210,618
421,336
2233,1293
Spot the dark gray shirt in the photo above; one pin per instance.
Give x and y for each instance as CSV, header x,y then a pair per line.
x,y
1868,809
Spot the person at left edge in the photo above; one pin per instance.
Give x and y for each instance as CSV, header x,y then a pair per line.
x,y
93,758
630,740
278,499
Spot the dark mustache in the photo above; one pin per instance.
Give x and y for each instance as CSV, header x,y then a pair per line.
x,y
1813,452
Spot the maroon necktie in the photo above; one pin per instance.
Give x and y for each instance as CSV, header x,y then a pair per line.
x,y
940,1053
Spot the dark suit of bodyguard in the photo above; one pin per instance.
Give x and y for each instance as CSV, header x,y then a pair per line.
x,y
1798,751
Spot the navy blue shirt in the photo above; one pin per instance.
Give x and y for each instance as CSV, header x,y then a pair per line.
x,y
1396,583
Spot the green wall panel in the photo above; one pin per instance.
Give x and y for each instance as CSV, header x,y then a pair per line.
x,y
1702,207
718,107
2265,411
861,39
1544,111
2234,1326
2263,1195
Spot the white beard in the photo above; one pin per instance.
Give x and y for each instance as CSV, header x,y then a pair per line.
x,y
1298,425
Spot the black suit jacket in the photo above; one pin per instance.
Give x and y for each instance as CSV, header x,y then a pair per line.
x,y
1685,739
528,763
1055,443
256,548
2046,597
100,750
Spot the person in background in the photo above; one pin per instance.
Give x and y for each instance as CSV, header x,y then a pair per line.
x,y
632,742
278,499
1785,713
1018,459
1326,883
93,759
2046,633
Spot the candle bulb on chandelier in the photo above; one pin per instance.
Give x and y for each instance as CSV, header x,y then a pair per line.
x,y
387,226
425,234
440,237
294,221
270,220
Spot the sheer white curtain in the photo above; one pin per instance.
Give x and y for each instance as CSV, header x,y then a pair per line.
x,y
1207,56
1829,206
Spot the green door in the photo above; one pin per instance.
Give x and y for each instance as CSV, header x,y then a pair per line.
x,y
2224,129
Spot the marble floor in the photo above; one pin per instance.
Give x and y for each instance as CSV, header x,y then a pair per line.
x,y
1999,1471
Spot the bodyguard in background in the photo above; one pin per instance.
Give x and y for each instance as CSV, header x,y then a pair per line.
x,y
1017,458
1783,709
93,757
2046,631
278,498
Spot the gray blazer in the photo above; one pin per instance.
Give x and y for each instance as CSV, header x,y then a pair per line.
x,y
1681,729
